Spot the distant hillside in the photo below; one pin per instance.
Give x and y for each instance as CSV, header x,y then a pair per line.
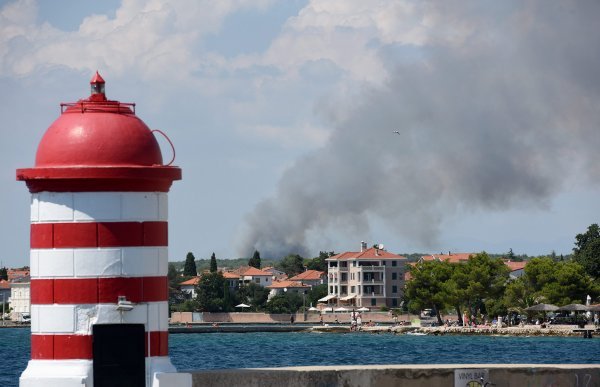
x,y
204,264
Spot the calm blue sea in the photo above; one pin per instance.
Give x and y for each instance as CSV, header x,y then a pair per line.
x,y
241,350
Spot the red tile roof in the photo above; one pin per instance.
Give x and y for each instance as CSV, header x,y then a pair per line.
x,y
252,271
308,275
230,275
371,253
191,281
287,284
452,258
15,273
514,266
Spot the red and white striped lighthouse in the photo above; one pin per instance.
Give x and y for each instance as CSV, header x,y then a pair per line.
x,y
99,289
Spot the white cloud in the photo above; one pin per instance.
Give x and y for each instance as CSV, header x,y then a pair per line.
x,y
162,36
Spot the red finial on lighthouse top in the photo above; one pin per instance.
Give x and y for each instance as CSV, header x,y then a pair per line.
x,y
97,84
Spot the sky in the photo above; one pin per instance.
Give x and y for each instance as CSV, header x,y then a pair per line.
x,y
283,115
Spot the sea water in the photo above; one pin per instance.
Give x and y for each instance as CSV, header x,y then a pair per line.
x,y
245,350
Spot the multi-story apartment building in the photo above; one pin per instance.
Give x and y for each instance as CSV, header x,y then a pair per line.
x,y
20,299
371,277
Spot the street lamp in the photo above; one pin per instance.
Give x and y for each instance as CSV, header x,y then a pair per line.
x,y
304,303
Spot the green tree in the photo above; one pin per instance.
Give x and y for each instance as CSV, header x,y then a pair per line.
x,y
319,263
254,295
189,269
255,260
519,295
172,275
315,293
487,281
560,283
289,302
210,292
291,265
213,263
587,250
427,288
4,273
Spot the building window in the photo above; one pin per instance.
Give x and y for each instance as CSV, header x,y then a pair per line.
x,y
331,290
373,301
354,263
344,289
352,289
344,277
394,263
394,302
394,276
394,289
383,263
257,280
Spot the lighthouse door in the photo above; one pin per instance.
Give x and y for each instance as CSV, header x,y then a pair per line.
x,y
119,358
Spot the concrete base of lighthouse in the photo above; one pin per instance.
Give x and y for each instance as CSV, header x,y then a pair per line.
x,y
77,373
53,373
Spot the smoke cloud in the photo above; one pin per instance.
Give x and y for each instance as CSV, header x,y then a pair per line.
x,y
503,116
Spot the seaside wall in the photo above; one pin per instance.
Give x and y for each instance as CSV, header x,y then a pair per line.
x,y
432,375
249,318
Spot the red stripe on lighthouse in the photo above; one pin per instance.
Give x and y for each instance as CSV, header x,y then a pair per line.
x,y
98,234
98,290
65,347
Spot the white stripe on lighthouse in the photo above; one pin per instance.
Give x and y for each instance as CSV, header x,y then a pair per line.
x,y
98,206
79,318
99,262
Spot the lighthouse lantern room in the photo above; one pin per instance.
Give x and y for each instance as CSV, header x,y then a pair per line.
x,y
99,239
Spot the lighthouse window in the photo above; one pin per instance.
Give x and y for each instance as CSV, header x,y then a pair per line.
x,y
97,88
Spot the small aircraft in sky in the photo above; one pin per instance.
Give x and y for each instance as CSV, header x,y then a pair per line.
x,y
396,131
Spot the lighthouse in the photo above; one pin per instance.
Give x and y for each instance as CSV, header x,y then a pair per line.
x,y
98,258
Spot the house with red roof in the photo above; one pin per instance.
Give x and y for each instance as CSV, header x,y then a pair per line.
x,y
287,286
450,257
311,277
232,280
4,291
250,274
189,286
15,274
278,275
371,277
517,269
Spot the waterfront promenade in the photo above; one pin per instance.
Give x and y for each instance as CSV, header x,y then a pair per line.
x,y
374,322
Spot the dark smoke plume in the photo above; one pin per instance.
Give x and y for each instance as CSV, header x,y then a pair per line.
x,y
504,119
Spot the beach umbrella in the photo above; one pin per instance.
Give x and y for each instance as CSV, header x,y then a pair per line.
x,y
342,309
574,308
363,309
313,309
242,306
328,309
542,308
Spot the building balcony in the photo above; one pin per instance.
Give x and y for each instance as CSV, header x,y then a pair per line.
x,y
374,281
371,268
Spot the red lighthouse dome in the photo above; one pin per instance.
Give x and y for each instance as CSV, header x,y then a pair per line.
x,y
100,144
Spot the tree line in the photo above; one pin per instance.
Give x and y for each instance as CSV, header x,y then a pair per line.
x,y
482,287
213,293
